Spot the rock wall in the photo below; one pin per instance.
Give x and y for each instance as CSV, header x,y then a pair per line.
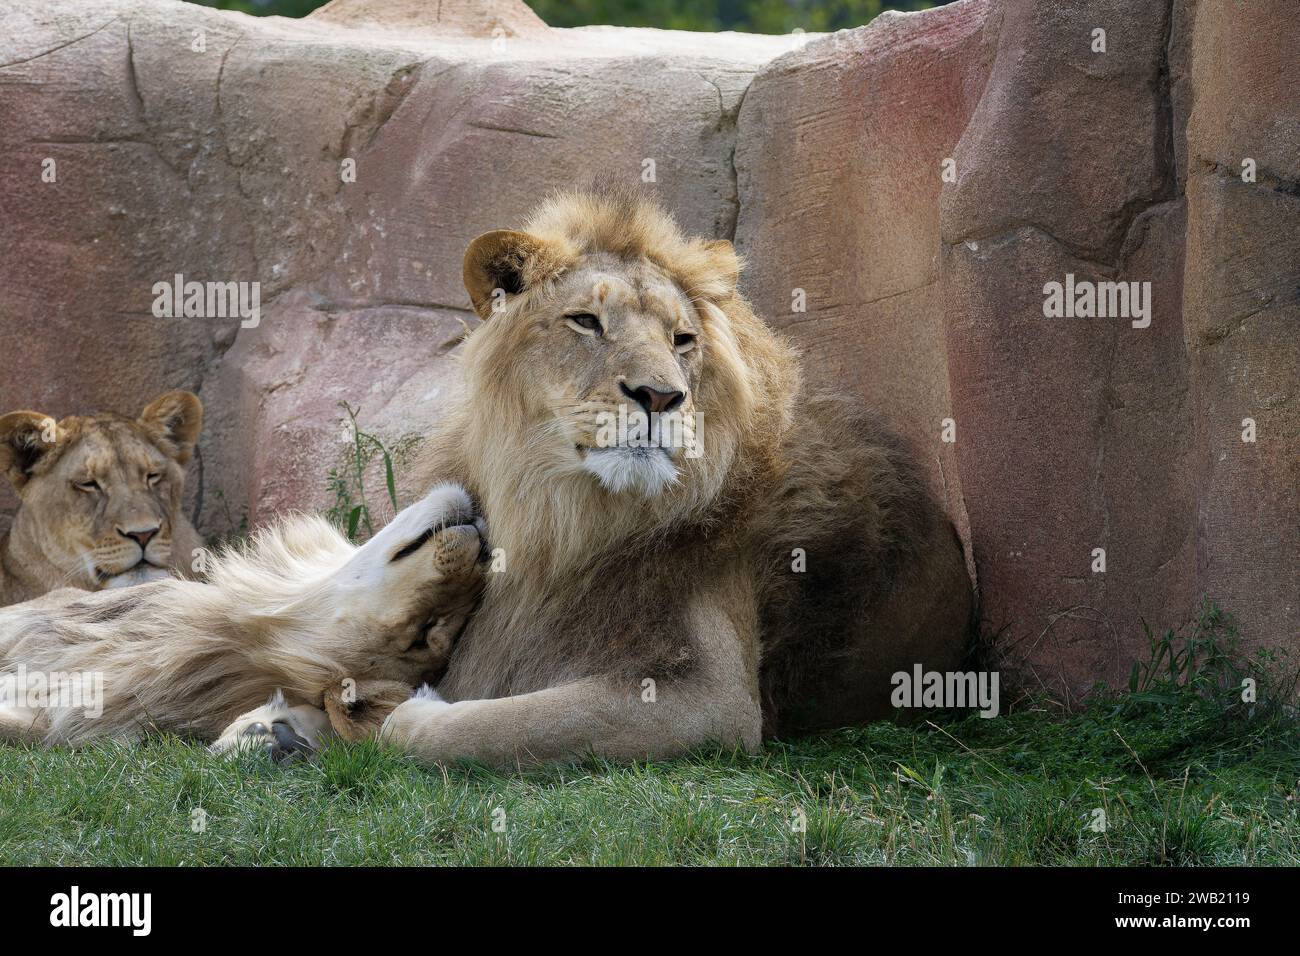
x,y
903,192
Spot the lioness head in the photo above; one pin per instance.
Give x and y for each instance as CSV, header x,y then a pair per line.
x,y
100,494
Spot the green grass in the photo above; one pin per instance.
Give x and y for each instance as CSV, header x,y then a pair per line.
x,y
1015,790
1185,772
1180,788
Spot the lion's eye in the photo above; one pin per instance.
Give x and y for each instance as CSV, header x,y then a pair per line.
x,y
425,537
683,342
89,485
153,478
584,322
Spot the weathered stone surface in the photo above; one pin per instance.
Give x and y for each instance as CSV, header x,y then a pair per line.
x,y
221,147
1242,312
1090,433
839,164
1244,64
477,18
226,163
1073,432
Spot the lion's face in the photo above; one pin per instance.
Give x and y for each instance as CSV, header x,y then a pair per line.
x,y
398,603
613,353
99,493
612,361
616,383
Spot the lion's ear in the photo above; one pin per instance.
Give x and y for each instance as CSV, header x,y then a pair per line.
x,y
357,709
26,438
174,420
503,263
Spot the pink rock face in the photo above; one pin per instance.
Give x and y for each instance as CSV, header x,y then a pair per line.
x,y
1077,429
1093,433
1241,315
902,192
839,164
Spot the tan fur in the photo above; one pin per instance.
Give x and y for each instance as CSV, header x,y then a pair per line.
x,y
634,625
69,536
357,711
299,610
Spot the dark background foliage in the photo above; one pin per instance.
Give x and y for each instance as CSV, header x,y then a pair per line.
x,y
751,16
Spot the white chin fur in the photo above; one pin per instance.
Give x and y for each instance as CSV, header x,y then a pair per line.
x,y
140,574
647,470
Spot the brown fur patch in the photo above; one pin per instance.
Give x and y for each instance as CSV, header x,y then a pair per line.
x,y
357,710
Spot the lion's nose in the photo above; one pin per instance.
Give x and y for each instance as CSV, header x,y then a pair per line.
x,y
652,400
141,537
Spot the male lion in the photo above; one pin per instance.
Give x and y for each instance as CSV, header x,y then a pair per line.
x,y
100,497
300,616
645,600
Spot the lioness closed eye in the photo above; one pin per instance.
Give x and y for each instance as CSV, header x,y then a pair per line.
x,y
294,617
100,497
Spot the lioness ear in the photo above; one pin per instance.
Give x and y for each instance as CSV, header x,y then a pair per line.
x,y
174,420
26,438
507,261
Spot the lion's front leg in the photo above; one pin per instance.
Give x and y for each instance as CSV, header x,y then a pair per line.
x,y
615,718
285,732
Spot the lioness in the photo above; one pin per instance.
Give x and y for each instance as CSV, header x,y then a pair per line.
x,y
100,497
644,600
300,616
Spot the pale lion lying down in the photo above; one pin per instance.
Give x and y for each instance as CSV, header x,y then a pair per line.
x,y
300,616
